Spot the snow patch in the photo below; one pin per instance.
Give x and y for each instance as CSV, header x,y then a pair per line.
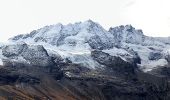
x,y
1,63
154,64
116,52
68,74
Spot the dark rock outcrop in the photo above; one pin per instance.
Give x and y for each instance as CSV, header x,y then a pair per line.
x,y
116,63
155,55
96,43
75,82
167,57
27,54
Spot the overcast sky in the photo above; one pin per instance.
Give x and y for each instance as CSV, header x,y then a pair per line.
x,y
23,16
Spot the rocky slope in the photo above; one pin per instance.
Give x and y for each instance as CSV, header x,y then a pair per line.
x,y
83,61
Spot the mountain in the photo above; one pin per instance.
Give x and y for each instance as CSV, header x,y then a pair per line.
x,y
76,41
83,61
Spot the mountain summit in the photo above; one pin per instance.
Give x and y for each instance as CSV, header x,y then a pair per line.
x,y
76,34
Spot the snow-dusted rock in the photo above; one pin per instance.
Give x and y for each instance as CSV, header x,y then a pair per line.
x,y
13,50
116,63
127,34
27,54
37,56
71,35
155,55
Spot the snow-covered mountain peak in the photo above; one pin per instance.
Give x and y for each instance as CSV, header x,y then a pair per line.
x,y
127,34
128,28
89,24
82,33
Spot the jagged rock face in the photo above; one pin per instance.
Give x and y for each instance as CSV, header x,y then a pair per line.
x,y
127,34
151,51
96,43
23,53
155,55
56,57
116,63
37,55
135,58
13,50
